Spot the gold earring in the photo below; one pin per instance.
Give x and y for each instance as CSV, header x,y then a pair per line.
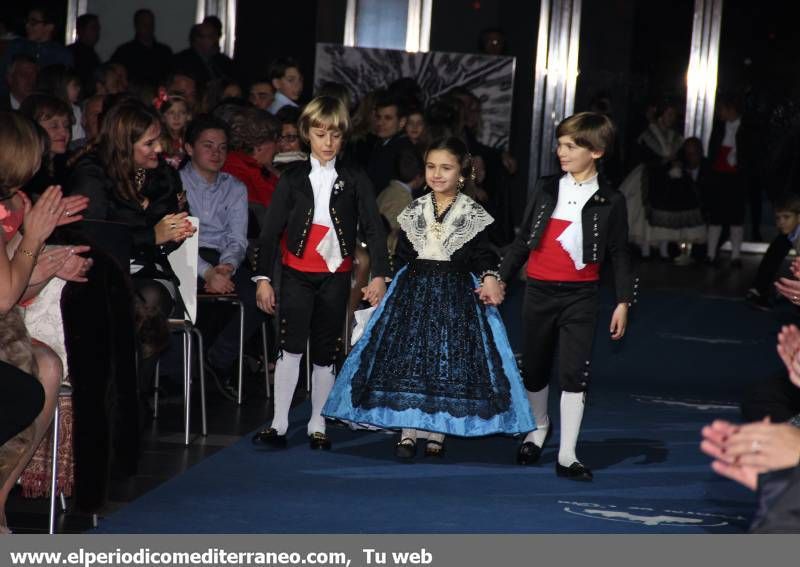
x,y
460,184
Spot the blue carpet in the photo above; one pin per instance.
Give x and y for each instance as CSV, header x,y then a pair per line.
x,y
686,360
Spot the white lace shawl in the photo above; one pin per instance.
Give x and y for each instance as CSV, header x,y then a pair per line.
x,y
465,219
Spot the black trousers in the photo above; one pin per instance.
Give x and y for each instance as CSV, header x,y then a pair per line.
x,y
313,305
21,400
770,264
558,315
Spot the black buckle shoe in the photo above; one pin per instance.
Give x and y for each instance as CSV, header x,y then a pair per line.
x,y
269,438
406,449
319,441
576,471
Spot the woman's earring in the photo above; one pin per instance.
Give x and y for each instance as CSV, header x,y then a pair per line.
x,y
460,184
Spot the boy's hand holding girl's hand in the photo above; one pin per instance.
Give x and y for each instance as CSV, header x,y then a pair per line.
x,y
491,291
619,321
375,291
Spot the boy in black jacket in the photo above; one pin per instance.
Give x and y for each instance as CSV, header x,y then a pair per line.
x,y
573,224
316,209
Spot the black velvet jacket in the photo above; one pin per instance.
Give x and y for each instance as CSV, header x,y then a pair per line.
x,y
352,208
605,232
162,187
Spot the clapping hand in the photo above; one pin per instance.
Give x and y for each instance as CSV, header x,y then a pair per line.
x,y
76,267
789,351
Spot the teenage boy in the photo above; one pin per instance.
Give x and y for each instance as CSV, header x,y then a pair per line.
x,y
574,223
787,219
390,123
219,200
288,82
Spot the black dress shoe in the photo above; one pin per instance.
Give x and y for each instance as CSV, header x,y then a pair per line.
x,y
269,438
319,441
576,471
406,449
529,452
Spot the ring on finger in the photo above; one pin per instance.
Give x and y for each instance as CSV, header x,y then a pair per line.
x,y
755,446
67,213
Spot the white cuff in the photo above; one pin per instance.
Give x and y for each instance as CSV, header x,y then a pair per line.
x,y
256,279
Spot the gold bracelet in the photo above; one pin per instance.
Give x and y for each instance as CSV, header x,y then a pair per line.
x,y
28,253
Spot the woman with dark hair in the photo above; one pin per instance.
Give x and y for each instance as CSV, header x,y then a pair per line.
x,y
128,183
434,358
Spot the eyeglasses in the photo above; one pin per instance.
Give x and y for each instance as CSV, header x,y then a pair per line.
x,y
288,138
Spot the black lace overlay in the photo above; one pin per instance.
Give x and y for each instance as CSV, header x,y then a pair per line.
x,y
432,349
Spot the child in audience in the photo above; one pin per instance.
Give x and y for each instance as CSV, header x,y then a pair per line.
x,y
787,219
176,115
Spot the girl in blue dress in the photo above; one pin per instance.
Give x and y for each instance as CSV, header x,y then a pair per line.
x,y
435,359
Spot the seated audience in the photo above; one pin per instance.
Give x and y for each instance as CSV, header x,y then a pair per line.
x,y
787,219
175,114
63,83
222,90
288,82
21,77
55,117
127,182
108,81
390,123
91,110
416,131
202,60
87,32
184,86
219,200
409,177
262,94
146,60
24,270
38,43
290,146
254,135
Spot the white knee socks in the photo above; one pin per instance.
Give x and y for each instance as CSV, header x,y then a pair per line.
x,y
287,371
538,401
321,385
714,232
572,404
737,236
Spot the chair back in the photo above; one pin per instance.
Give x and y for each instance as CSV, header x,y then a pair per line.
x,y
184,263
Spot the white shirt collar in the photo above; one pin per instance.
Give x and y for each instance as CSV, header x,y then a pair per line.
x,y
316,165
591,182
15,104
